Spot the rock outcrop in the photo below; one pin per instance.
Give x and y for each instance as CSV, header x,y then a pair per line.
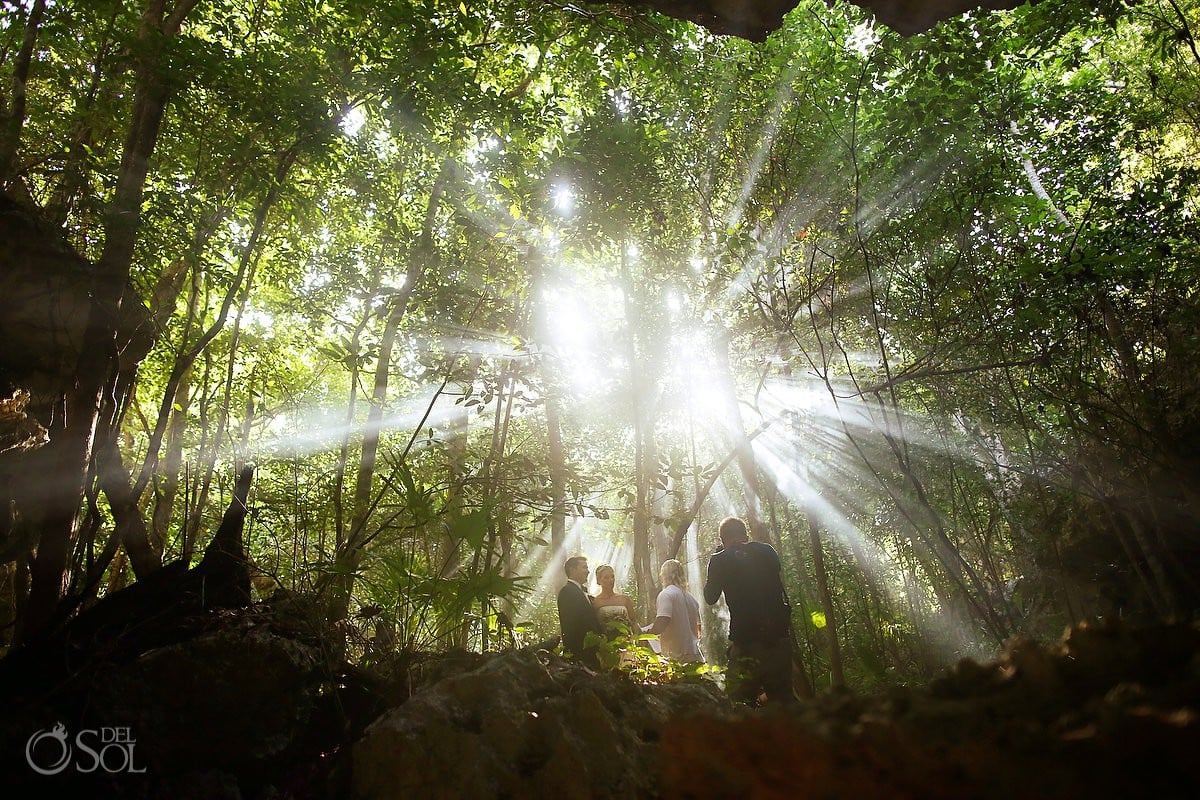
x,y
249,704
527,725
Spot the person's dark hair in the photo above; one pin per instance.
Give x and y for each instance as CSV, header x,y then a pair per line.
x,y
733,531
571,563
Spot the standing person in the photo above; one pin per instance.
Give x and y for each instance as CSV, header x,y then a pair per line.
x,y
610,606
677,620
576,616
760,656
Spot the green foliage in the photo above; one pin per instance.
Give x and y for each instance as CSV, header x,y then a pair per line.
x,y
431,610
631,655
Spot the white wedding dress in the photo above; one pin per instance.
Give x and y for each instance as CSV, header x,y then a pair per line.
x,y
609,614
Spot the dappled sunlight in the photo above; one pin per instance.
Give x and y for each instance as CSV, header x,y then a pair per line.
x,y
563,199
476,153
352,121
302,432
862,39
259,320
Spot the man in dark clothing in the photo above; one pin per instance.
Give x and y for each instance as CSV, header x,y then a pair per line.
x,y
576,616
760,656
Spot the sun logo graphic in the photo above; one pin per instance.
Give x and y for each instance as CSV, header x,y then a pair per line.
x,y
57,747
49,752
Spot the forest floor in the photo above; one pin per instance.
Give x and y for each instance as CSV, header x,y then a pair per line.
x,y
252,704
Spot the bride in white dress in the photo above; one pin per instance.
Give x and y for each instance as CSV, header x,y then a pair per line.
x,y
610,606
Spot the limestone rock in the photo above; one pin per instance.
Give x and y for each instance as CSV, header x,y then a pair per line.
x,y
224,700
523,727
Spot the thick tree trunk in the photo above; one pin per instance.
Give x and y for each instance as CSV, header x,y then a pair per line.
x,y
130,530
53,507
12,119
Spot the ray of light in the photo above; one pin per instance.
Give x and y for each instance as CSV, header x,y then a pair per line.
x,y
777,456
835,411
478,344
813,462
586,536
306,431
766,141
728,505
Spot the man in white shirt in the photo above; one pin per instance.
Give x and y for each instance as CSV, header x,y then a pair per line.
x,y
677,616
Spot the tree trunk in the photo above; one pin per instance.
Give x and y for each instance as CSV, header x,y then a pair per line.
x,y
13,120
682,525
130,530
349,554
166,478
499,527
557,467
837,675
339,483
8,600
54,506
457,471
644,579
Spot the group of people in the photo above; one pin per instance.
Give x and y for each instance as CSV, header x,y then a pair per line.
x,y
677,620
745,572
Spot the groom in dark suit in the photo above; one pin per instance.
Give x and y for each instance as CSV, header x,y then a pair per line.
x,y
575,613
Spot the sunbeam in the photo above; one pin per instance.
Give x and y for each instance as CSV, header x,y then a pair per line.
x,y
575,323
586,536
813,486
832,461
766,141
692,381
305,431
